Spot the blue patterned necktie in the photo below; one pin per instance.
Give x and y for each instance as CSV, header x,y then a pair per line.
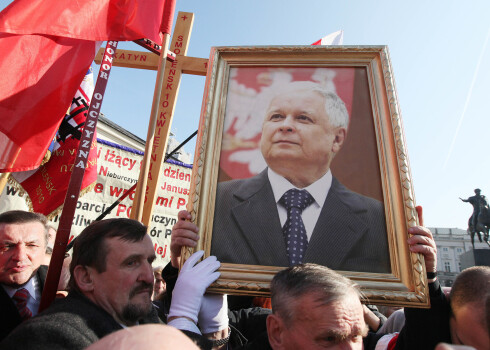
x,y
295,201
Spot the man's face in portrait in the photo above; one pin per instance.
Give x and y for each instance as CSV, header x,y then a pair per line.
x,y
22,249
297,134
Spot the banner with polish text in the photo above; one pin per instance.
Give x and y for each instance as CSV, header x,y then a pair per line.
x,y
117,170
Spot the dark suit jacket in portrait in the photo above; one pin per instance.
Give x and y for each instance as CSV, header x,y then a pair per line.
x,y
350,233
10,317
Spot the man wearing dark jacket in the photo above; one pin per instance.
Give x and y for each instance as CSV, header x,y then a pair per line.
x,y
23,239
459,321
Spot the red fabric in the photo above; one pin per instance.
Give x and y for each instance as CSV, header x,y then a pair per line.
x,y
392,343
39,76
21,297
168,16
96,20
43,61
47,185
262,302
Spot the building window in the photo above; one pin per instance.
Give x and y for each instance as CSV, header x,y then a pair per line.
x,y
459,266
459,250
447,266
445,252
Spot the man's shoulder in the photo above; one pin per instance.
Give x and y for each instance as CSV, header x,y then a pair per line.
x,y
71,323
242,188
230,184
57,328
353,198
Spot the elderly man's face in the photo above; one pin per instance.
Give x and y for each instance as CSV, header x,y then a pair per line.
x,y
124,289
22,248
467,327
297,134
338,325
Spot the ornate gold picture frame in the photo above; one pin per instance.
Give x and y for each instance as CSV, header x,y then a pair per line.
x,y
371,168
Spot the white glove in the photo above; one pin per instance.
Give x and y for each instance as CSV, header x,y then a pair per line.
x,y
213,315
191,285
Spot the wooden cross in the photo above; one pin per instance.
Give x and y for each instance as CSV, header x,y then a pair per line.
x,y
156,142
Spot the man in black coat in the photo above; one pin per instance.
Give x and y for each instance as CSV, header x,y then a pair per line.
x,y
23,240
459,320
110,288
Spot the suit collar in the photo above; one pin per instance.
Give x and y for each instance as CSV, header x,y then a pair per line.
x,y
264,236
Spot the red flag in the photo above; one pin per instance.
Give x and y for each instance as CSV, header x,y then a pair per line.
x,y
94,20
46,47
47,186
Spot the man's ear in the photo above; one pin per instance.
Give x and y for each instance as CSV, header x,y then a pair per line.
x,y
83,278
340,135
275,331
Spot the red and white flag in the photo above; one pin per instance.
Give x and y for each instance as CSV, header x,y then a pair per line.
x,y
47,185
336,38
46,47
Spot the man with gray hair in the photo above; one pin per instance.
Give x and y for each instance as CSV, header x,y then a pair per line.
x,y
295,211
313,307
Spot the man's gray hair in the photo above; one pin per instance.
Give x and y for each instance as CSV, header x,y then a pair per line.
x,y
290,284
334,106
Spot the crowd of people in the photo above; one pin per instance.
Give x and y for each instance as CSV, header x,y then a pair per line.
x,y
115,298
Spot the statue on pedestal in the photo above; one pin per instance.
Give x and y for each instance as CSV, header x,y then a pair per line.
x,y
479,221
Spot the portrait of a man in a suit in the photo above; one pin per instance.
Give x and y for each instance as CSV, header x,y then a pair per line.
x,y
295,210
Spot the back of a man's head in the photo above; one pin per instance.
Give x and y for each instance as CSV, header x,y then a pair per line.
x,y
90,249
290,284
19,217
471,287
468,299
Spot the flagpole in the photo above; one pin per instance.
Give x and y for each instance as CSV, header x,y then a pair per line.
x,y
139,198
73,191
3,181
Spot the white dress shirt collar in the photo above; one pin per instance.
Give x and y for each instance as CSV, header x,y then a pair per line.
x,y
318,190
32,287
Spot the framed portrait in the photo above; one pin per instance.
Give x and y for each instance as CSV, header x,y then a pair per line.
x,y
301,158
